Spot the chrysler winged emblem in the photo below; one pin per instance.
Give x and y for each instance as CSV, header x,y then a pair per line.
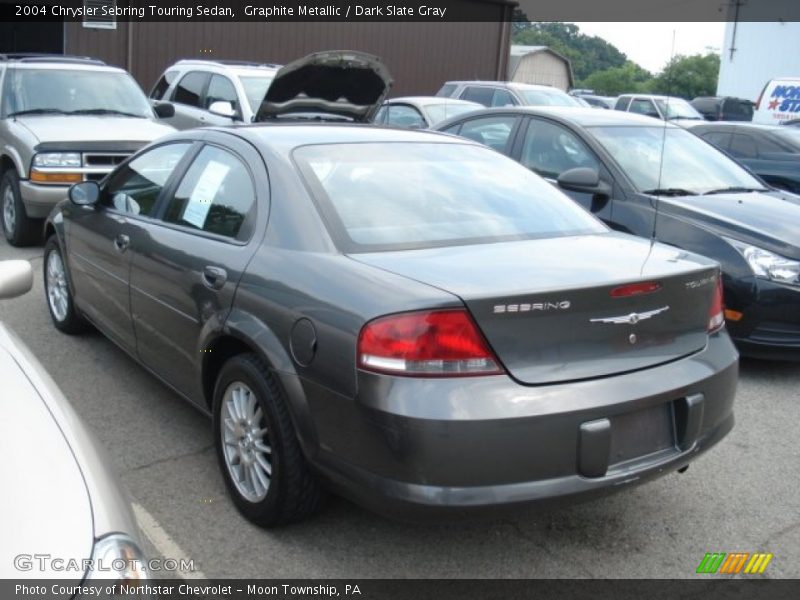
x,y
631,319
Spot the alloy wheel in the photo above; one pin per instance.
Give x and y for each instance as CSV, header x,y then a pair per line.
x,y
245,442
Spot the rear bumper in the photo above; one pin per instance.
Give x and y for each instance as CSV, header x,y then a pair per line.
x,y
39,200
415,448
770,326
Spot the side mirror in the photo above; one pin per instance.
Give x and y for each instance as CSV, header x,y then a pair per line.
x,y
85,193
164,110
16,278
222,108
584,180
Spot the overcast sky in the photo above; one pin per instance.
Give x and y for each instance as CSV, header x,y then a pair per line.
x,y
650,44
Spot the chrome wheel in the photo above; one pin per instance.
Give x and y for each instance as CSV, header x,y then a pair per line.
x,y
245,443
57,291
9,210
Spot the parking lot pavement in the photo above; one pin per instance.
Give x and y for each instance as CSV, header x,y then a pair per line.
x,y
742,496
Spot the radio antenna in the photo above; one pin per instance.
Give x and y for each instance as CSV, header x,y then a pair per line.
x,y
663,142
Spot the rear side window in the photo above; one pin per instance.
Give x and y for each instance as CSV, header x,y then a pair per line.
x,y
190,89
161,87
494,132
481,95
216,195
737,110
720,139
743,146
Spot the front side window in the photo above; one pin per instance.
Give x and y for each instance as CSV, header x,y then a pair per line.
x,y
743,146
220,89
447,90
502,98
439,112
494,132
136,187
686,164
255,88
678,108
190,89
216,195
392,196
73,92
402,115
550,149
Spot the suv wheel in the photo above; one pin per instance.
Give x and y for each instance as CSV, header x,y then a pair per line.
x,y
57,292
19,229
258,452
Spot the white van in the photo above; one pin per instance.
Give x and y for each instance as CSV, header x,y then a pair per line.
x,y
779,101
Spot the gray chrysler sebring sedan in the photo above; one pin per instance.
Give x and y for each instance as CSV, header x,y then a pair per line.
x,y
409,319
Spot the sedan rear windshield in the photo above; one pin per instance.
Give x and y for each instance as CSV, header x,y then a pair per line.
x,y
393,196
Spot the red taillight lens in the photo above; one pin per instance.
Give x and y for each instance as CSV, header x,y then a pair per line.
x,y
635,289
426,343
716,314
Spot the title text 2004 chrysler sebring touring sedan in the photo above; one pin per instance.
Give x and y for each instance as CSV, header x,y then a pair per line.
x,y
415,320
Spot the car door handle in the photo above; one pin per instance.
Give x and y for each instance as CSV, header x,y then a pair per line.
x,y
214,277
121,242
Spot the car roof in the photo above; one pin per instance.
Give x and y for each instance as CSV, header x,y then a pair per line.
x,y
511,84
734,124
234,66
425,100
652,96
63,66
284,137
578,115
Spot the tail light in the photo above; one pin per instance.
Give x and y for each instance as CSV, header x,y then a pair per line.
x,y
716,314
441,343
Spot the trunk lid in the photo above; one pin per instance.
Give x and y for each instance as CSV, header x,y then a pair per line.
x,y
546,306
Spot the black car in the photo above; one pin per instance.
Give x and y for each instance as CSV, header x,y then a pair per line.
x,y
725,108
658,179
409,318
771,151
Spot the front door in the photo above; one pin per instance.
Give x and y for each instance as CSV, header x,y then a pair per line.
x,y
101,238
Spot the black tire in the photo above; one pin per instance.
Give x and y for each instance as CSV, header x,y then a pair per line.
x,y
294,492
72,322
24,231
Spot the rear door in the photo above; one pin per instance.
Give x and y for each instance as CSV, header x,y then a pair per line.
x,y
101,239
184,278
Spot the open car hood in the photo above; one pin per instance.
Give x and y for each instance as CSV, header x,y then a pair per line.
x,y
344,83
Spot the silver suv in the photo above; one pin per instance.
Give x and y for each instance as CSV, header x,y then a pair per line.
x,y
63,120
506,93
207,92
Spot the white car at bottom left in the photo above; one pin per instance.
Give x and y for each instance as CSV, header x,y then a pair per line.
x,y
63,514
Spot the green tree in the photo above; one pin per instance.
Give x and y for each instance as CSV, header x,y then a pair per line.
x,y
630,77
587,54
689,76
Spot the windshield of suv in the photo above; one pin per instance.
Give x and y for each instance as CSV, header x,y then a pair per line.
x,y
76,91
677,108
689,163
392,196
255,88
547,98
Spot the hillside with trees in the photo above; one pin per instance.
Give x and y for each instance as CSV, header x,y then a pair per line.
x,y
602,67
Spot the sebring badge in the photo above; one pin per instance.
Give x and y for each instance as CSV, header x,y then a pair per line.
x,y
631,319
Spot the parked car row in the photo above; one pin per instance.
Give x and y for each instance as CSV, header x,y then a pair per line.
x,y
413,319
